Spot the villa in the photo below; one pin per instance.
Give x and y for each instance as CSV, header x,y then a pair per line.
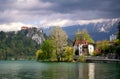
x,y
82,47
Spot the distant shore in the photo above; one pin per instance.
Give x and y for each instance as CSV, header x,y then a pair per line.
x,y
101,59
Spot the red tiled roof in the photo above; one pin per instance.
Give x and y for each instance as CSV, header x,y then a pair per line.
x,y
77,42
24,27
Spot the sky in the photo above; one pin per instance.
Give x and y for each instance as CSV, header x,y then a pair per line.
x,y
45,13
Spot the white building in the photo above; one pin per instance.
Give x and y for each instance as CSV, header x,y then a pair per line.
x,y
113,37
90,49
82,47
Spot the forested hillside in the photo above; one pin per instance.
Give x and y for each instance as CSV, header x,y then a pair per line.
x,y
21,44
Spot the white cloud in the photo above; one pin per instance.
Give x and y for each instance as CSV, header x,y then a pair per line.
x,y
67,22
46,23
56,12
31,4
12,26
81,22
24,10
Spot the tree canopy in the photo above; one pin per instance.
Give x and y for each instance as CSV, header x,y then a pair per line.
x,y
83,35
118,31
60,40
16,45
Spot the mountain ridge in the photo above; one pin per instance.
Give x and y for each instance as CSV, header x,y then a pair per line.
x,y
98,31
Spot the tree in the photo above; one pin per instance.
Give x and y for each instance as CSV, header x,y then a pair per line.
x,y
16,45
2,35
83,35
39,55
47,48
118,31
118,37
59,38
104,46
67,54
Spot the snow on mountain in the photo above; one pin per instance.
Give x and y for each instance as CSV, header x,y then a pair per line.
x,y
100,30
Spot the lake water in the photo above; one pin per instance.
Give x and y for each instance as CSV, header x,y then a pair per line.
x,y
56,70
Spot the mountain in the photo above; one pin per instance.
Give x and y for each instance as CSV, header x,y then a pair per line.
x,y
98,31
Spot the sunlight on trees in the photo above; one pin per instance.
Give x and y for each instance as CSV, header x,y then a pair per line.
x,y
68,54
83,35
59,38
39,54
103,45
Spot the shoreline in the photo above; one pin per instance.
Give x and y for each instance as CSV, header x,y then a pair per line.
x,y
102,59
88,59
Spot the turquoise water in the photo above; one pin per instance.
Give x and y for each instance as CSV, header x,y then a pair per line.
x,y
50,70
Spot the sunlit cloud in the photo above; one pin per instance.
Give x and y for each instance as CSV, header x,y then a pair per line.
x,y
13,26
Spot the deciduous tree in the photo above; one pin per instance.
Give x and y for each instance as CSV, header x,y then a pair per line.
x,y
59,38
68,54
83,35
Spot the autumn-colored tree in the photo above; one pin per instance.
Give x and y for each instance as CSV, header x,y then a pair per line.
x,y
59,38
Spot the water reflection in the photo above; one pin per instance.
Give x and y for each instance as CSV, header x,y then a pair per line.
x,y
85,71
37,70
91,70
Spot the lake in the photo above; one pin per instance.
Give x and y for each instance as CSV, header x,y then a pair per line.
x,y
58,70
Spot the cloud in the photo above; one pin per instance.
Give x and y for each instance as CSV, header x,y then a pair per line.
x,y
48,23
13,26
47,13
22,10
67,22
98,8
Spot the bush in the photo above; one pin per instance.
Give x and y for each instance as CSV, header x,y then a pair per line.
x,y
67,55
95,53
82,58
39,55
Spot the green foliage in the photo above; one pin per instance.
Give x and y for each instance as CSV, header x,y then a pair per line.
x,y
16,45
117,41
83,35
118,31
53,47
47,48
95,53
102,44
39,54
82,58
67,54
46,51
59,38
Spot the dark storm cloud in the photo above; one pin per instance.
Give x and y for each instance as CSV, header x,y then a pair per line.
x,y
101,8
25,10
